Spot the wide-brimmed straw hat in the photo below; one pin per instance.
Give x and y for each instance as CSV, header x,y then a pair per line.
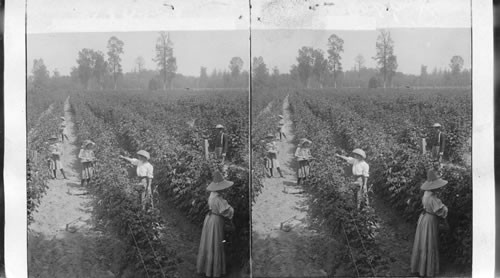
x,y
360,152
88,142
270,135
219,126
143,153
434,181
436,125
219,183
53,137
281,116
62,118
305,140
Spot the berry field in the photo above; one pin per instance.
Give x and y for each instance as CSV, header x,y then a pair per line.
x,y
172,128
389,125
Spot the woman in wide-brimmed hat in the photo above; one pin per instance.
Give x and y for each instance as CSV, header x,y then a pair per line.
x,y
55,159
211,260
87,159
425,254
303,155
360,174
144,176
272,155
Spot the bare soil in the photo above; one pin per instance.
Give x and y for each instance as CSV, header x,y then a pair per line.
x,y
61,241
277,252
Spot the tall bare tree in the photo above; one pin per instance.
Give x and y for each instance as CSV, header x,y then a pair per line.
x,y
335,48
386,60
165,59
139,64
115,48
360,63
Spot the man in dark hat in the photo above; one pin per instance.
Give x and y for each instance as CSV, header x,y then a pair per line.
x,y
220,143
437,142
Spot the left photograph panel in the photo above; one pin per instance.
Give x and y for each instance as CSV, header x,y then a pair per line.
x,y
137,146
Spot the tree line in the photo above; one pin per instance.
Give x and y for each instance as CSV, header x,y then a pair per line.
x,y
313,69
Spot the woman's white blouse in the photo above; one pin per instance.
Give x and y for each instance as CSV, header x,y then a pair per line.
x,y
359,167
144,169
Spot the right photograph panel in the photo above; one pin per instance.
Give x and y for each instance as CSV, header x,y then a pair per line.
x,y
361,150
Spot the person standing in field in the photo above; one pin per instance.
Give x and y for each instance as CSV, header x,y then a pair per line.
x,y
437,142
425,253
62,128
303,155
144,172
211,260
360,173
281,127
221,143
272,155
87,159
55,162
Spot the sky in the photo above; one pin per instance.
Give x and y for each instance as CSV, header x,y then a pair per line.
x,y
193,49
413,47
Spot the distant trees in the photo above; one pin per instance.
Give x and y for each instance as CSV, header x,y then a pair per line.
x,y
373,82
456,64
115,48
260,72
40,74
202,83
335,48
312,66
165,59
386,60
235,66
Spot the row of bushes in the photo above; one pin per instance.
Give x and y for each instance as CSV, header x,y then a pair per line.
x,y
181,172
397,172
331,200
37,172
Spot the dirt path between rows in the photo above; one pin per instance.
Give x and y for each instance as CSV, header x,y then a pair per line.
x,y
61,242
275,252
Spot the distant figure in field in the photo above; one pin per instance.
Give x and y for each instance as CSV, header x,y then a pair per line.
x,y
303,155
425,254
281,127
144,176
62,132
55,162
87,159
437,142
211,260
272,155
221,143
360,173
